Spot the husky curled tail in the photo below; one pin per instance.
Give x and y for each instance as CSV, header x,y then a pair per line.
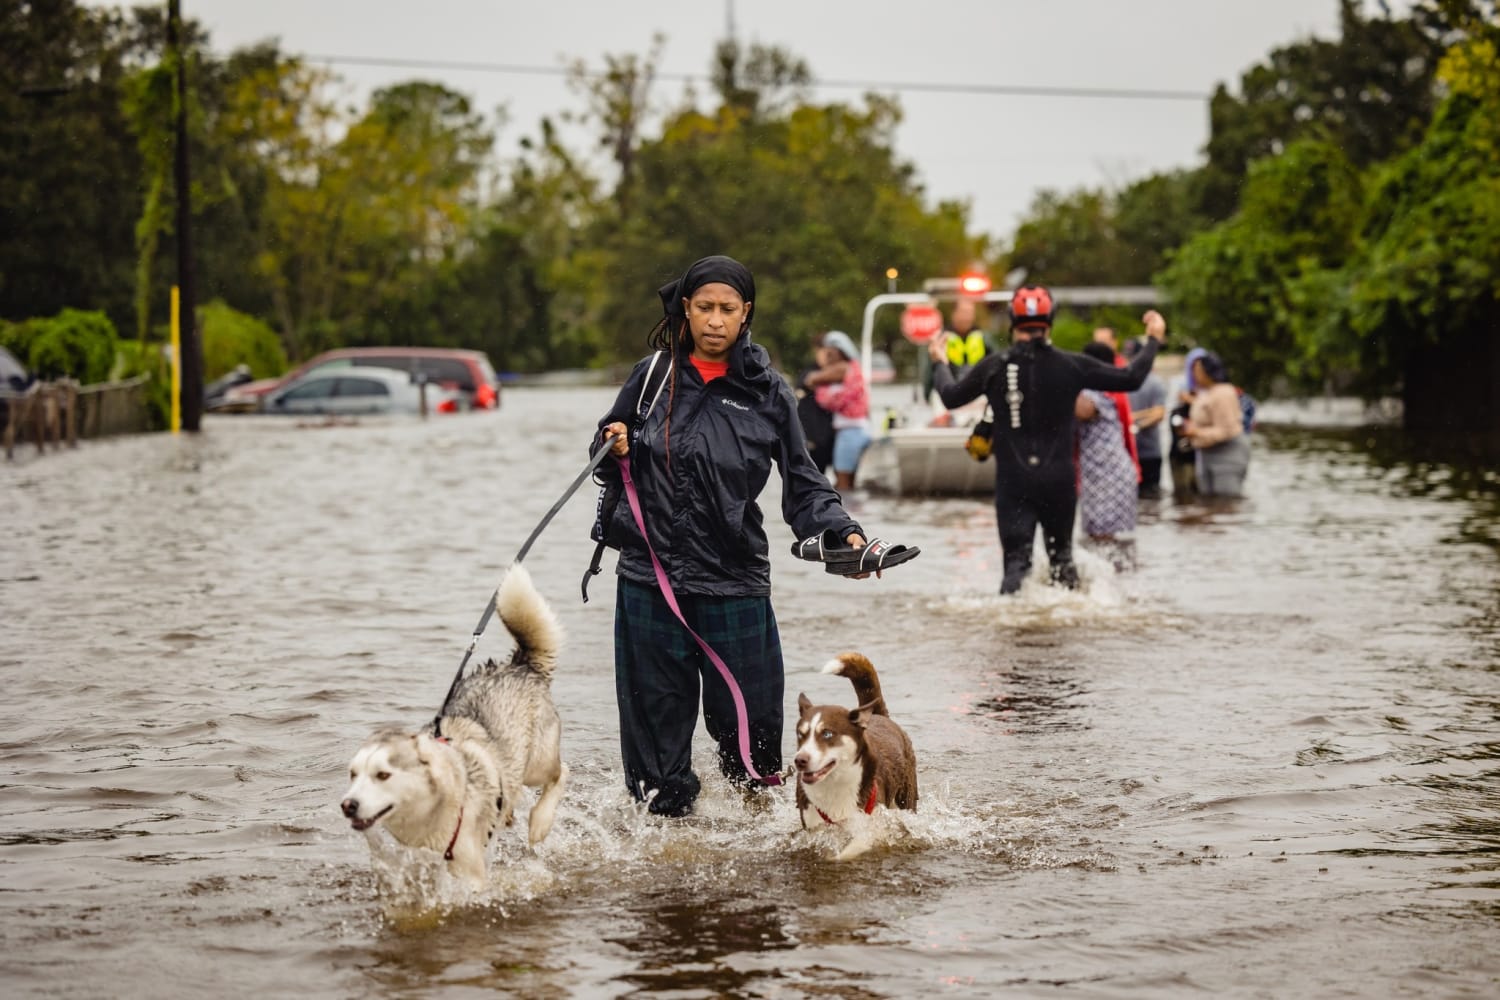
x,y
512,702
530,621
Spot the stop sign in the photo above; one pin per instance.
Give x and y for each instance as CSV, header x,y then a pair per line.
x,y
921,322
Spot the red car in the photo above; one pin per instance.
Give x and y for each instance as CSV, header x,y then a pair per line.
x,y
468,372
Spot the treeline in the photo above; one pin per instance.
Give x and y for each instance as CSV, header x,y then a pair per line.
x,y
1344,229
398,222
1343,221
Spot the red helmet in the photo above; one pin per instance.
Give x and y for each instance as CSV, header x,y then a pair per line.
x,y
1031,305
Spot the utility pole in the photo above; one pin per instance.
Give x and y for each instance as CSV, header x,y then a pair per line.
x,y
192,353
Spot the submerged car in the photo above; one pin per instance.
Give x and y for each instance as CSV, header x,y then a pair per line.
x,y
14,380
467,372
356,391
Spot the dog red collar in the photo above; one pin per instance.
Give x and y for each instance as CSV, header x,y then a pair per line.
x,y
869,805
448,854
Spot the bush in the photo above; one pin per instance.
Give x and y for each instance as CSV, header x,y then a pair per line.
x,y
10,339
149,359
233,338
1254,287
72,344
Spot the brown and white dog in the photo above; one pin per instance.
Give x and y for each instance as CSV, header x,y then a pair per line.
x,y
851,760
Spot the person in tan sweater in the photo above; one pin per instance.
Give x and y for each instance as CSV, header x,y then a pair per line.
x,y
1216,428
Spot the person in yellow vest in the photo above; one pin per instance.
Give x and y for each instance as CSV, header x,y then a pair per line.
x,y
965,345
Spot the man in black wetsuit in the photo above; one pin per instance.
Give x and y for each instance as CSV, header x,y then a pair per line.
x,y
1032,387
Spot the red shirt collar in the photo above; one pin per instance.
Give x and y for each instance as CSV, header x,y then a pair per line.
x,y
710,370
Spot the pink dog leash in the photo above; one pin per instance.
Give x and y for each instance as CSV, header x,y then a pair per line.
x,y
742,720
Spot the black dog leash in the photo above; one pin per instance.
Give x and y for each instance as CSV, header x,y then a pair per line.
x,y
489,609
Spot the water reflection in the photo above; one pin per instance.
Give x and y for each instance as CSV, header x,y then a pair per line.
x,y
1032,702
1270,746
680,942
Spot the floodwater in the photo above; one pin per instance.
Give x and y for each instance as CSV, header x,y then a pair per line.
x,y
1266,764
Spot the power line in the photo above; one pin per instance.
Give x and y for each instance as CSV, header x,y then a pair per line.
x,y
987,89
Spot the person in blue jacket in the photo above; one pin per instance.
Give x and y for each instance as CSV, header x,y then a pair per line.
x,y
699,459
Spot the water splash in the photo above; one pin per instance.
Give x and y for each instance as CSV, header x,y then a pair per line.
x,y
602,836
1104,597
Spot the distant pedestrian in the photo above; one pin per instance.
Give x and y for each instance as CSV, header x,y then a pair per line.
x,y
964,344
817,423
1182,460
843,393
1148,411
1106,335
1107,475
1216,428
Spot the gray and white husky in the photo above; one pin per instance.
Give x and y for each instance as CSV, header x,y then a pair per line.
x,y
499,732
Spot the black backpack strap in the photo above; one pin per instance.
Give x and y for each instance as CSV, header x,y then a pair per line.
x,y
592,571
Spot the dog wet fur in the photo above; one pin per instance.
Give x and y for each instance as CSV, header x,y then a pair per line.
x,y
849,761
500,733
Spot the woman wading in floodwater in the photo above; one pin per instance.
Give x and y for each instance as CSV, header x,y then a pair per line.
x,y
699,458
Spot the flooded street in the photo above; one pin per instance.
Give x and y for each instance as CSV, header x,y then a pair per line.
x,y
1266,764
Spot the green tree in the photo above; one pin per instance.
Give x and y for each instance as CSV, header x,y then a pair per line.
x,y
73,344
1070,239
1421,308
1369,92
1153,217
559,216
68,161
813,199
261,117
357,224
1095,237
618,101
765,80
1240,287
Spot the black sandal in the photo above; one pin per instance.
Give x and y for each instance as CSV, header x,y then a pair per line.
x,y
844,560
875,557
818,547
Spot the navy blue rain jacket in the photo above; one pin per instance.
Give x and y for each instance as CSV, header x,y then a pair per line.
x,y
707,529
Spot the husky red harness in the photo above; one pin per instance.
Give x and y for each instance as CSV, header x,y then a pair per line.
x,y
869,804
448,854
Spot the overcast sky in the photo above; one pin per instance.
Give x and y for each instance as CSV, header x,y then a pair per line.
x,y
994,151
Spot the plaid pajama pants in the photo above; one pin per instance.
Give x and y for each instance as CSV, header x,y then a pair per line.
x,y
660,671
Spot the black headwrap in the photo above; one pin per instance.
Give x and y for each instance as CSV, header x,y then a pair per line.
x,y
722,269
1213,367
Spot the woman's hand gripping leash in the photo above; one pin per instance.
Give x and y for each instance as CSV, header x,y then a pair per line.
x,y
619,441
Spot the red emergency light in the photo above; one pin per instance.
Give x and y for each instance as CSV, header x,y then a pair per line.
x,y
974,284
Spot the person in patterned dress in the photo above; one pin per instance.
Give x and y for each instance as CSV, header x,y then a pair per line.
x,y
1107,475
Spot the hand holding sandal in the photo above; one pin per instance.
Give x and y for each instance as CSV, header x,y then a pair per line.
x,y
844,560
